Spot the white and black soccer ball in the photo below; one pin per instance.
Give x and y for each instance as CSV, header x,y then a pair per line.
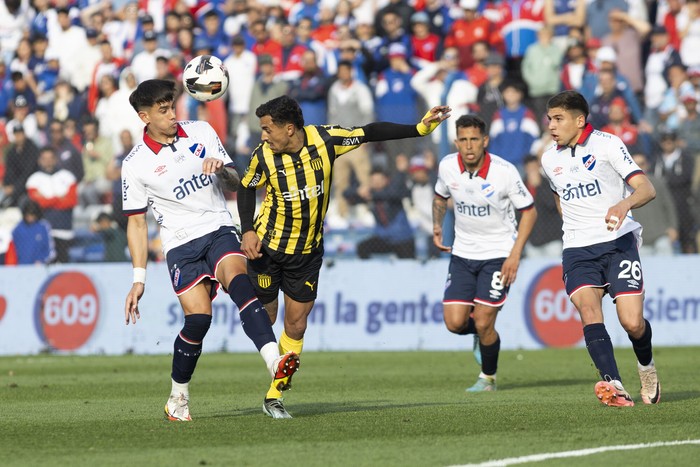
x,y
205,78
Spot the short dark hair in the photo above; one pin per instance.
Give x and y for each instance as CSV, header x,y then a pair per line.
x,y
471,121
346,63
152,92
283,110
530,158
29,206
569,100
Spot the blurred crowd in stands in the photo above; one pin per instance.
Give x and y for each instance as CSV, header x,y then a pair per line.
x,y
67,68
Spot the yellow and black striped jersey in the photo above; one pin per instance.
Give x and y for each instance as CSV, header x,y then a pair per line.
x,y
298,187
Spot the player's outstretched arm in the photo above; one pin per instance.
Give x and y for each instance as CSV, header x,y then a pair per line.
x,y
439,210
137,238
384,131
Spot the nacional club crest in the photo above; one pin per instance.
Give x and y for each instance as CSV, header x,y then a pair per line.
x,y
198,150
589,162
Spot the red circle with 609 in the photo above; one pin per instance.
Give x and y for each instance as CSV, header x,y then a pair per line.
x,y
551,317
66,310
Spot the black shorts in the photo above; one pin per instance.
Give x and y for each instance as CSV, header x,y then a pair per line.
x,y
198,259
613,266
296,275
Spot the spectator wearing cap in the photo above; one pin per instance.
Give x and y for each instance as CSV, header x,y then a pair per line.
x,y
20,162
146,27
23,117
676,166
396,100
440,17
597,14
144,63
541,70
606,59
55,189
626,36
426,45
489,97
350,104
64,41
22,85
32,236
562,15
469,29
514,129
575,65
241,65
662,55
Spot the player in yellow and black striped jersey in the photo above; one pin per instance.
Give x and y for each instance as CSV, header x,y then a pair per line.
x,y
294,163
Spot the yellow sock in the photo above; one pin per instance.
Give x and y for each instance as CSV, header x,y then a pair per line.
x,y
286,344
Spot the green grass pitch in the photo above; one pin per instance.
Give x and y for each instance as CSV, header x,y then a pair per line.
x,y
354,409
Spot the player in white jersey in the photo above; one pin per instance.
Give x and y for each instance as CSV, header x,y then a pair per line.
x,y
485,190
596,184
180,169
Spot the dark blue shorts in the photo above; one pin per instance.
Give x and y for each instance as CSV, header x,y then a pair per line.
x,y
472,281
613,265
198,259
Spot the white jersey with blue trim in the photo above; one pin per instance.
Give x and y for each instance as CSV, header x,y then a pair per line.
x,y
484,205
186,203
590,178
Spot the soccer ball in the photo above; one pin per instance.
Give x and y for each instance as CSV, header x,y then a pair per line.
x,y
205,78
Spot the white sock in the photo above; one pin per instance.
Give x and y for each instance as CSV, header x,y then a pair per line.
x,y
646,367
485,376
178,388
270,352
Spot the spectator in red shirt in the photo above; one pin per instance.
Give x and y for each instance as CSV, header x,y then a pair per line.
x,y
468,30
426,46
